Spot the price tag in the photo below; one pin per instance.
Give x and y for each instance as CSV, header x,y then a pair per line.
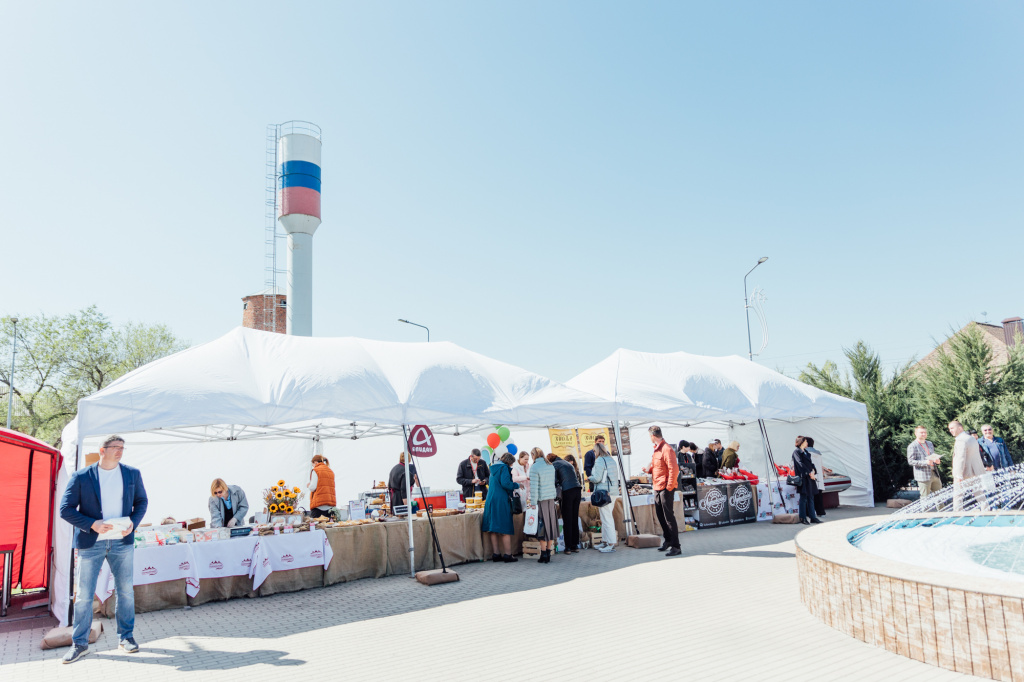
x,y
452,499
356,510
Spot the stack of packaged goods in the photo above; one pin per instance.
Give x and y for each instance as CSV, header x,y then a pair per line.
x,y
476,502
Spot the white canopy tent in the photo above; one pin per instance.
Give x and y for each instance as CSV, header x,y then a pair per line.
x,y
706,394
272,396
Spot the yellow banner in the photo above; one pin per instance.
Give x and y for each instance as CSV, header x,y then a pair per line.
x,y
575,442
563,442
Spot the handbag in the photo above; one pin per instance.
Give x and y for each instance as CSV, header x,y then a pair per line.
x,y
516,503
795,481
531,521
600,498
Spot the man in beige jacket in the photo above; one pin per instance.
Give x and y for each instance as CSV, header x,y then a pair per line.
x,y
966,464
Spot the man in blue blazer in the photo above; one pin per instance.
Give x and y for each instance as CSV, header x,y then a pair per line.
x,y
96,494
996,447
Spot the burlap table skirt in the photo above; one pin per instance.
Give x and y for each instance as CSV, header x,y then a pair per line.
x,y
647,519
219,589
359,552
153,597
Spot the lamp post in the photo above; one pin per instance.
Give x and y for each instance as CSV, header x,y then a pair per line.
x,y
10,383
746,307
418,325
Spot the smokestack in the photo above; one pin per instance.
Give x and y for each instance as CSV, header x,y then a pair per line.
x,y
298,155
1012,328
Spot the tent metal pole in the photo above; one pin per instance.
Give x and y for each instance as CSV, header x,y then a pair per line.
x,y
408,502
770,462
627,506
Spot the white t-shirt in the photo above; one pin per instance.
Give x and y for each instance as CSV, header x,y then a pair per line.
x,y
111,492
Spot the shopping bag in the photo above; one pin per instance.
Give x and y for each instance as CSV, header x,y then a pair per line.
x,y
531,521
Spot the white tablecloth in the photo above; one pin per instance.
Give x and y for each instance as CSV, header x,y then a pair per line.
x,y
254,556
770,505
285,552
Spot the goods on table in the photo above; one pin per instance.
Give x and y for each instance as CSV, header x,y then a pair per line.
x,y
641,490
476,502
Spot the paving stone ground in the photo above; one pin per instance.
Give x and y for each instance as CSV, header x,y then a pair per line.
x,y
727,609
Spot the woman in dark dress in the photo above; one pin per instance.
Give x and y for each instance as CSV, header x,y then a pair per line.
x,y
498,508
804,468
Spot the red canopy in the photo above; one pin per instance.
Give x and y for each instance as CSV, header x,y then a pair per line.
x,y
29,469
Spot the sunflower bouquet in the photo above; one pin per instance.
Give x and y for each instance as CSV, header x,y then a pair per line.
x,y
282,499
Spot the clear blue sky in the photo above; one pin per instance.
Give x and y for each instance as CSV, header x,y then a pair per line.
x,y
540,182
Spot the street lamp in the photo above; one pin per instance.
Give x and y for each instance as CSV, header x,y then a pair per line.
x,y
10,382
418,325
746,307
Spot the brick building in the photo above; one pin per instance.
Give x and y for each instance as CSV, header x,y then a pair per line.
x,y
258,310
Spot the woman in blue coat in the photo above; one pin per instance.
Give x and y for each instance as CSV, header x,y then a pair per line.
x,y
498,508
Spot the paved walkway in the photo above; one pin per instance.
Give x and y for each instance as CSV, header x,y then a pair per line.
x,y
728,609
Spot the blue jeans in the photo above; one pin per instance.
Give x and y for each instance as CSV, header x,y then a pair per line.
x,y
807,507
120,558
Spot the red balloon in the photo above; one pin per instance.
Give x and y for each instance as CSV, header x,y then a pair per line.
x,y
494,440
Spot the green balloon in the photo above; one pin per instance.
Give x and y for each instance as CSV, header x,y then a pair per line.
x,y
486,450
503,433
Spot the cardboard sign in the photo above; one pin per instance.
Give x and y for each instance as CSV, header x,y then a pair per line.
x,y
713,506
356,510
742,502
421,442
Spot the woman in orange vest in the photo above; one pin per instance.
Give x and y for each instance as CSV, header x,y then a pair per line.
x,y
321,488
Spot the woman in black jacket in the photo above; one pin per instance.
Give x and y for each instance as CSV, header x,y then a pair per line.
x,y
709,463
804,468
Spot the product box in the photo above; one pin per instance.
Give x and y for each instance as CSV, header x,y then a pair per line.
x,y
197,522
531,549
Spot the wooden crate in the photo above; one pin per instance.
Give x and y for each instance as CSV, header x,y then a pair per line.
x,y
531,549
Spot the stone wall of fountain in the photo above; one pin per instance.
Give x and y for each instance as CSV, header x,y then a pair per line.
x,y
967,623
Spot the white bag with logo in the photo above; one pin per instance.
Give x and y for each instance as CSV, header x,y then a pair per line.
x,y
531,520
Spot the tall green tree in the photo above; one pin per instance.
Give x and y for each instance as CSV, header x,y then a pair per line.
x,y
964,384
62,359
889,402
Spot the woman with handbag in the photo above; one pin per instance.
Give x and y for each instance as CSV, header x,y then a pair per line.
x,y
804,468
498,508
605,477
542,496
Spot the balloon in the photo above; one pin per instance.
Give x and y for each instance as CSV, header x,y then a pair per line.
x,y
486,452
493,440
503,433
511,447
500,450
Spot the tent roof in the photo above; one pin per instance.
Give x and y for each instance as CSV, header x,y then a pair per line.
x,y
26,441
251,382
683,387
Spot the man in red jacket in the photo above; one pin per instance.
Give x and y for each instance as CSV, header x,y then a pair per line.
x,y
664,471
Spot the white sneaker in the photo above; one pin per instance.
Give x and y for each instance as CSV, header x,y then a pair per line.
x,y
606,549
600,546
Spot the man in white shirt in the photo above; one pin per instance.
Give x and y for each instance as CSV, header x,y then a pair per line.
x,y
98,497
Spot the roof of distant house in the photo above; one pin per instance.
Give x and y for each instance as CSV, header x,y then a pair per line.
x,y
994,336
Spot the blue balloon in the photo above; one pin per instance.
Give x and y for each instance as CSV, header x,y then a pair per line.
x,y
512,449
